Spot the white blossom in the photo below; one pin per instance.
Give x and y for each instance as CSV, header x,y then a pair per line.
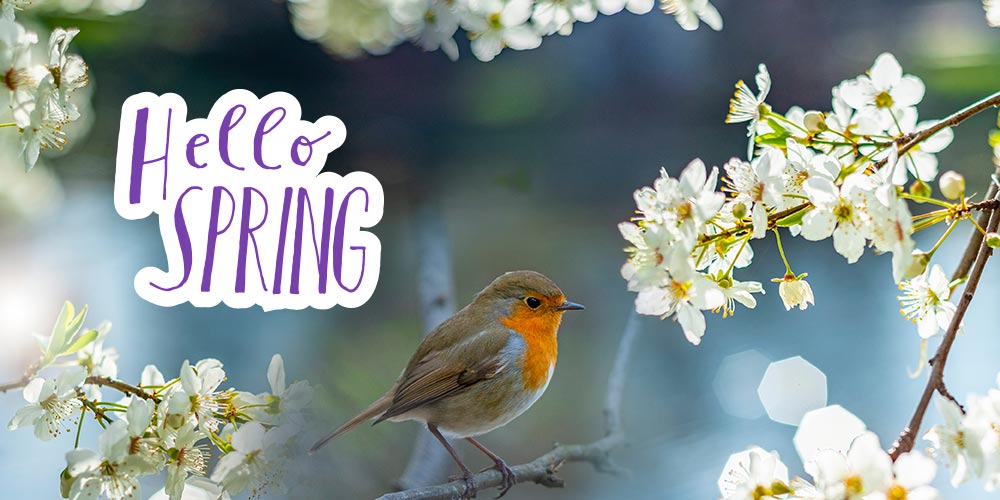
x,y
745,106
495,24
925,301
690,13
992,8
884,94
840,211
752,474
952,439
795,292
866,469
49,403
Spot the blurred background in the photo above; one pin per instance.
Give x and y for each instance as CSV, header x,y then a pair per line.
x,y
531,160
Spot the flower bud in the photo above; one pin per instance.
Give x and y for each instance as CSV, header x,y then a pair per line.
x,y
814,121
993,240
920,188
952,185
174,420
740,210
918,264
65,482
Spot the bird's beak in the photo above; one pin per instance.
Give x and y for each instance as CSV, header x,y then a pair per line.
x,y
569,306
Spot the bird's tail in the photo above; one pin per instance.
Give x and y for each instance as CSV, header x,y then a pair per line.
x,y
375,409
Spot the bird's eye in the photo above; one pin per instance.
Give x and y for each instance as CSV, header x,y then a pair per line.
x,y
532,302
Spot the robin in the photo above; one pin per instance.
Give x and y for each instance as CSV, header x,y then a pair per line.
x,y
479,369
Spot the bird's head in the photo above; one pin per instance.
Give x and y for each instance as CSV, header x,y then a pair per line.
x,y
527,300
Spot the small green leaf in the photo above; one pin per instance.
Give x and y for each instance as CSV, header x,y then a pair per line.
x,y
777,127
73,327
58,338
773,139
81,341
793,219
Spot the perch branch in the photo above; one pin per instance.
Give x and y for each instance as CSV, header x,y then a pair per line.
x,y
543,470
973,267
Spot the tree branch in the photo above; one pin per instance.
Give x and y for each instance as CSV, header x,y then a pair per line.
x,y
122,387
976,253
543,470
990,101
17,384
429,463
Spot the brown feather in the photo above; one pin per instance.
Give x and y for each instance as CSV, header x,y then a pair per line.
x,y
448,371
373,410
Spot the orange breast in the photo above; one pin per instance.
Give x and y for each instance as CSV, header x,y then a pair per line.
x,y
539,332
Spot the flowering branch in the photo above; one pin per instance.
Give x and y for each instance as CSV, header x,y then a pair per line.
x,y
543,470
161,425
935,382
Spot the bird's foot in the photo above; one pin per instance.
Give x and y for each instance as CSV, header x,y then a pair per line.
x,y
509,479
470,485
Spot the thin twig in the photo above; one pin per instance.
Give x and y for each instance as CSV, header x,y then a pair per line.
x,y
98,413
543,470
990,101
17,384
29,374
935,381
122,387
972,248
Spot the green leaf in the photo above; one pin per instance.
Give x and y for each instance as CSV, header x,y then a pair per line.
x,y
82,341
793,219
773,139
67,325
58,338
73,327
777,127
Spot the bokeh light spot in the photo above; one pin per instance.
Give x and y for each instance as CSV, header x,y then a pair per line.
x,y
735,383
790,388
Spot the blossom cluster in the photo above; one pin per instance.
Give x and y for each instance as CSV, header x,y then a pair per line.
x,y
843,460
40,83
351,28
839,174
967,439
174,425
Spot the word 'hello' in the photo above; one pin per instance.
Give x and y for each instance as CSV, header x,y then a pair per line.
x,y
245,214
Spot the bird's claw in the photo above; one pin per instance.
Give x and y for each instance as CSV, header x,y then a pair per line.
x,y
470,485
509,480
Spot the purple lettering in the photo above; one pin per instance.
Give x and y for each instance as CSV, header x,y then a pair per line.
x,y
214,232
139,155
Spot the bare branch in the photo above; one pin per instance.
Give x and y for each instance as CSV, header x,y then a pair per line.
x,y
543,470
911,140
429,463
17,384
935,381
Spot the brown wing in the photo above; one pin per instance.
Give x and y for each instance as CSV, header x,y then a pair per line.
x,y
445,372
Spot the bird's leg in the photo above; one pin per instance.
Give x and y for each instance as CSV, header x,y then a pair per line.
x,y
470,482
500,465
